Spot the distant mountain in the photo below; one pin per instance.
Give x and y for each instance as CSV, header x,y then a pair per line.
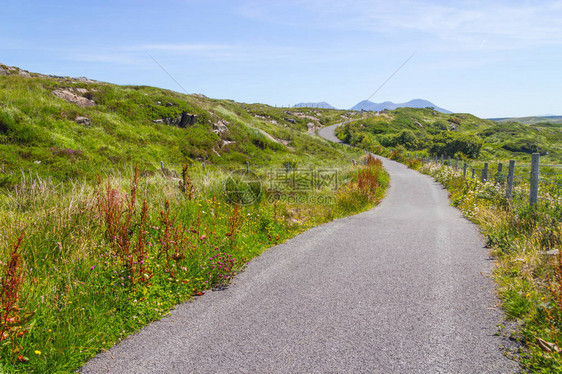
x,y
323,105
416,103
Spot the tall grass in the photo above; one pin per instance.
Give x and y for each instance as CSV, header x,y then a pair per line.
x,y
99,261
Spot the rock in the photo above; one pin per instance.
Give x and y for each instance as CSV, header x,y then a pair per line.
x,y
186,119
312,127
220,126
158,103
80,90
85,80
83,121
169,104
291,120
73,98
418,124
183,120
158,121
12,70
226,142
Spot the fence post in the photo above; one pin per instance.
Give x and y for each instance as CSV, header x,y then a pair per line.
x,y
499,175
203,166
473,172
247,166
535,161
485,173
464,170
162,166
510,177
287,166
449,161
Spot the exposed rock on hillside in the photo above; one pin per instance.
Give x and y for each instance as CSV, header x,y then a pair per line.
x,y
73,98
220,126
12,70
312,127
83,121
182,120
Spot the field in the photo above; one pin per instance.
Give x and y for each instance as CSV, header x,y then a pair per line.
x,y
462,136
111,214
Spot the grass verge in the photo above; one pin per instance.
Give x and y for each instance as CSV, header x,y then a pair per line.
x,y
85,264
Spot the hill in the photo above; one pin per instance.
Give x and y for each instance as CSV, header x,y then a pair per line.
x,y
532,120
66,128
388,105
460,134
322,104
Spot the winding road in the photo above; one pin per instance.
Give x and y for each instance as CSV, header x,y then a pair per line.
x,y
401,288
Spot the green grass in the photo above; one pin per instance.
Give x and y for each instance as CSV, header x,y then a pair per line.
x,y
105,249
458,135
38,131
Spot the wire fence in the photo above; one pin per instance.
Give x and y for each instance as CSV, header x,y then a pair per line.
x,y
534,176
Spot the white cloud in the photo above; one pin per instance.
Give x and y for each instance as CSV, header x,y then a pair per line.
x,y
472,24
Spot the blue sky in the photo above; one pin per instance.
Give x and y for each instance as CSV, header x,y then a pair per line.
x,y
489,58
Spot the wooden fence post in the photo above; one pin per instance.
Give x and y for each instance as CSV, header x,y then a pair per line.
x,y
247,166
499,174
464,170
473,172
484,177
535,162
449,161
510,177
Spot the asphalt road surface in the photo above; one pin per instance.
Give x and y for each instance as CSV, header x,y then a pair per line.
x,y
401,288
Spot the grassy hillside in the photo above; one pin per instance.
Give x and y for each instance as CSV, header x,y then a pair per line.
x,y
531,120
457,135
96,240
113,127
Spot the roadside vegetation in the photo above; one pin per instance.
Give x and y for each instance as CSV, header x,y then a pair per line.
x,y
97,239
462,136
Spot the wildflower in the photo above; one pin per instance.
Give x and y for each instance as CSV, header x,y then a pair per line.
x,y
92,268
37,352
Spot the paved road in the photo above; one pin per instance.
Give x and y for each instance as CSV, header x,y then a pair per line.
x,y
398,289
328,132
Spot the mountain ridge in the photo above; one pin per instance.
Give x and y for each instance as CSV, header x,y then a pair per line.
x,y
322,105
389,105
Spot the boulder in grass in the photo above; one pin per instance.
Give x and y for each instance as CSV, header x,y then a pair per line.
x,y
73,98
83,121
